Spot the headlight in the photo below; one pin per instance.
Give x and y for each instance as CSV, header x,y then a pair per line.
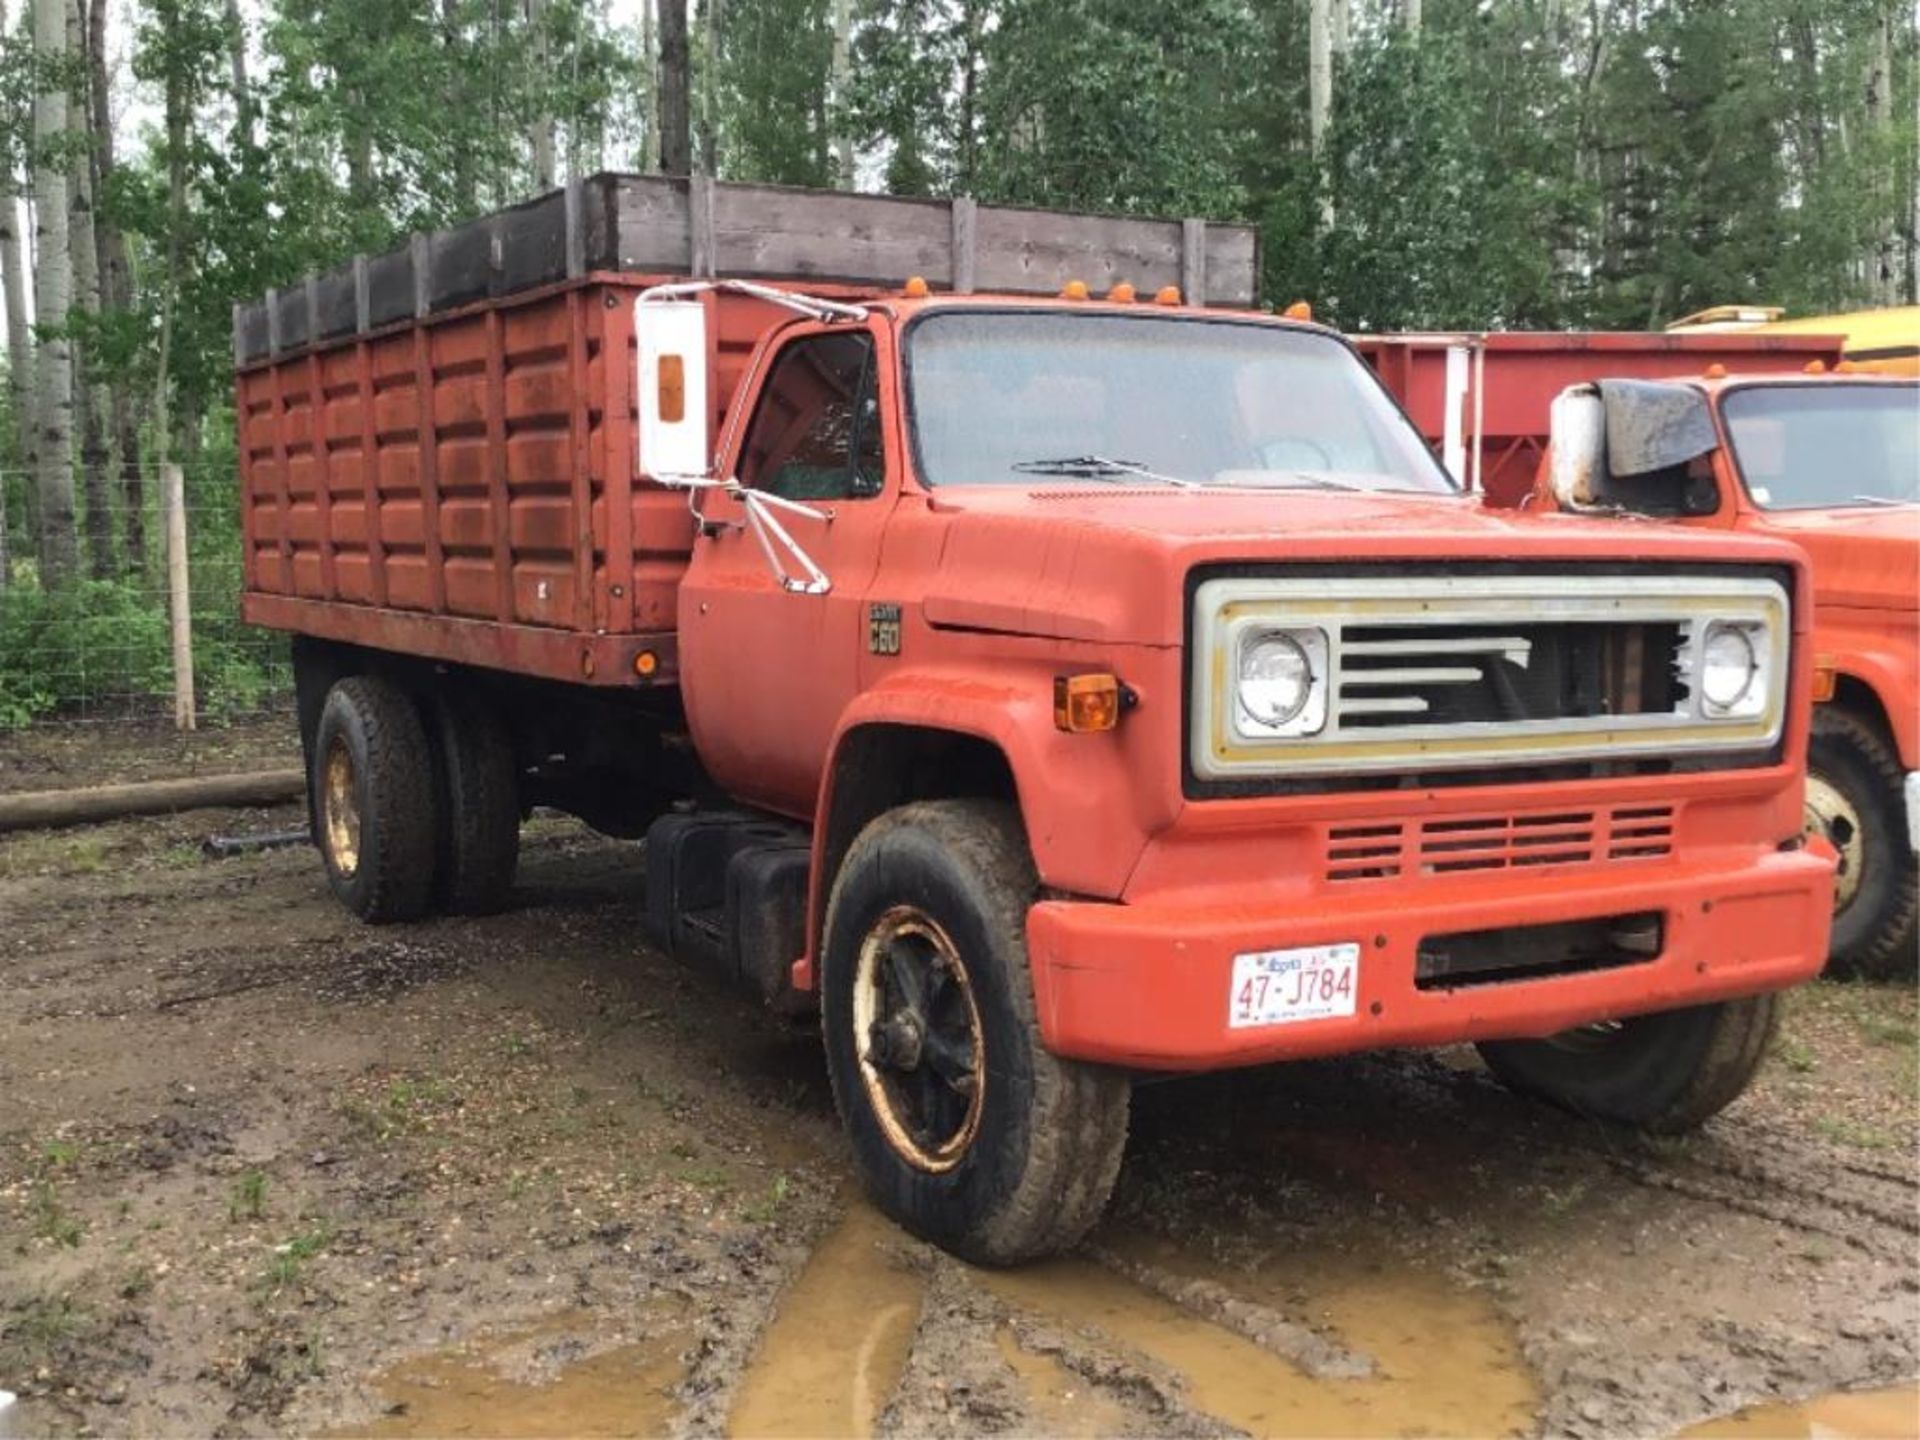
x,y
1282,683
1731,670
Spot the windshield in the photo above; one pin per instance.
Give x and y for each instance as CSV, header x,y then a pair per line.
x,y
1802,447
1000,397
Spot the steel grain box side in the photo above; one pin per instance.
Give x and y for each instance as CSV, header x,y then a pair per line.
x,y
464,487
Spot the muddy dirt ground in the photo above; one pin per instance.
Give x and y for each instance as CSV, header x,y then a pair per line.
x,y
263,1170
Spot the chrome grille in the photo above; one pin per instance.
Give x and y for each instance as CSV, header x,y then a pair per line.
x,y
1484,672
1436,675
1452,844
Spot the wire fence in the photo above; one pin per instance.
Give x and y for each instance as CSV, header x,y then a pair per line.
x,y
100,648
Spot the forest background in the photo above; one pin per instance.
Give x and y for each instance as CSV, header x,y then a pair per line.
x,y
1411,164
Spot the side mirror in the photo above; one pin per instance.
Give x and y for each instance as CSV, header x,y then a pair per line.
x,y
1635,445
672,393
1577,426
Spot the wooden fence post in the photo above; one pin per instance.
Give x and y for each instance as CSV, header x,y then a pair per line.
x,y
173,481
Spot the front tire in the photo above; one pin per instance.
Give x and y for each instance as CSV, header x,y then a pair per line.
x,y
1855,798
1664,1073
372,787
965,1128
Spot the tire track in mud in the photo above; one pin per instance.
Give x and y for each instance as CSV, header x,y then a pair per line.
x,y
1737,1164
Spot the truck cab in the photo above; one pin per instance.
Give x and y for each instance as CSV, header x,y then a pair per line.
x,y
1831,463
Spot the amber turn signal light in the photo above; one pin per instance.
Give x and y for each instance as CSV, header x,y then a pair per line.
x,y
1083,704
1824,680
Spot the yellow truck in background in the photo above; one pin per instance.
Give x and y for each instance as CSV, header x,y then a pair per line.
x,y
1885,341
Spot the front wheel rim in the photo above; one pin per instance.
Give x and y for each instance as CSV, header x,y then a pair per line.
x,y
340,811
1831,815
916,1029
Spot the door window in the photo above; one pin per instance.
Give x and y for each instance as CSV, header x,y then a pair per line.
x,y
816,431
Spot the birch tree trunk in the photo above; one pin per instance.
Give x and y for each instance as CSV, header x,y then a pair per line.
x,y
237,59
543,123
1884,280
14,276
51,452
842,75
1320,96
1410,17
650,66
675,115
13,281
116,293
89,397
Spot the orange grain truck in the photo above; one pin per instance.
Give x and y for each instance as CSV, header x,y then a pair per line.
x,y
1045,688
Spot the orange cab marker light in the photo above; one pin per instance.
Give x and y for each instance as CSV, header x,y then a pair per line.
x,y
1716,371
1074,290
1298,310
915,288
1825,682
1815,367
1845,367
645,663
1167,295
1086,704
1122,293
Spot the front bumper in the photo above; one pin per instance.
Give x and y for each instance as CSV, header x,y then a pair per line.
x,y
1146,985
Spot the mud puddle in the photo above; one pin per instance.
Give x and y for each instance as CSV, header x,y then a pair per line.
x,y
839,1341
1889,1414
561,1376
1338,1353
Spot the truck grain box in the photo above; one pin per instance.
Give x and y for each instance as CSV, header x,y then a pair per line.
x,y
1831,462
1043,675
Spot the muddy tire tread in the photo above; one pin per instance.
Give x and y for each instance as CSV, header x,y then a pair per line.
x,y
1891,949
397,862
478,837
1077,1128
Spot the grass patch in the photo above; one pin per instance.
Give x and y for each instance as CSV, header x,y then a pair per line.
x,y
767,1208
248,1199
400,1109
1797,1057
31,1334
291,1257
1855,1134
50,1218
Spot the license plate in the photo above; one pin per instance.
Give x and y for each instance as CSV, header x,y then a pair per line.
x,y
1283,987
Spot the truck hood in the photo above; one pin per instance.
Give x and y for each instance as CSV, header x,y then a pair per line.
x,y
1866,557
1109,563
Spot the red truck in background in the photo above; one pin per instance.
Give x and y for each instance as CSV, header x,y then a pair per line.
x,y
1045,688
1797,443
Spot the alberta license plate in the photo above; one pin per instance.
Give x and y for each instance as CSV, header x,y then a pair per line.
x,y
1281,987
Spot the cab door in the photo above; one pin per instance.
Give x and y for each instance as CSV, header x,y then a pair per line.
x,y
766,671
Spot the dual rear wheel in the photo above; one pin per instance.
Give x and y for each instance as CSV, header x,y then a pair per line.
x,y
415,805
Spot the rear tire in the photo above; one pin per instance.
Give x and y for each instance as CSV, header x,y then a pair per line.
x,y
965,1128
1855,797
477,792
1663,1073
372,784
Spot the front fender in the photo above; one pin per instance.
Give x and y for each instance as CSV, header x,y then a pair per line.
x,y
1089,802
1862,647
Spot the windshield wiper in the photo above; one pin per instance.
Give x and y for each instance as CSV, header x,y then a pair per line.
x,y
1882,500
1099,467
